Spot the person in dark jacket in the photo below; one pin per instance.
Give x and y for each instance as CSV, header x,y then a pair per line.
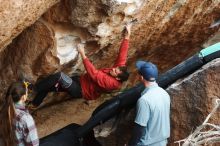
x,y
91,84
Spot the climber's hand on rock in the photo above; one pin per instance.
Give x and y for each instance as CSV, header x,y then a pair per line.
x,y
127,30
81,50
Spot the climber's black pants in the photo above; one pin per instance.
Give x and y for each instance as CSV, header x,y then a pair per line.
x,y
47,85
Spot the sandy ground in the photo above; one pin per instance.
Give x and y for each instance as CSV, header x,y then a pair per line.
x,y
52,116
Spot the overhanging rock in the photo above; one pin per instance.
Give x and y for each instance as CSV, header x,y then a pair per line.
x,y
16,15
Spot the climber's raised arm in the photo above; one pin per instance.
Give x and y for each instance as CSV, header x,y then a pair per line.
x,y
123,50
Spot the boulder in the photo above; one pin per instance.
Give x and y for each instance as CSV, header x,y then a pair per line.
x,y
16,15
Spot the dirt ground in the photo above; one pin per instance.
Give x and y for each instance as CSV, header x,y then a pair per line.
x,y
53,116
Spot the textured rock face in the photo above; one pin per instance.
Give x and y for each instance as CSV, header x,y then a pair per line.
x,y
95,23
19,60
167,32
16,15
193,99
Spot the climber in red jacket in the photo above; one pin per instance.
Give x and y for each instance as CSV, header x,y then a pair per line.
x,y
91,84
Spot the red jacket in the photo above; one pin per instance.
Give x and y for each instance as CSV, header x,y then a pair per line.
x,y
95,81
